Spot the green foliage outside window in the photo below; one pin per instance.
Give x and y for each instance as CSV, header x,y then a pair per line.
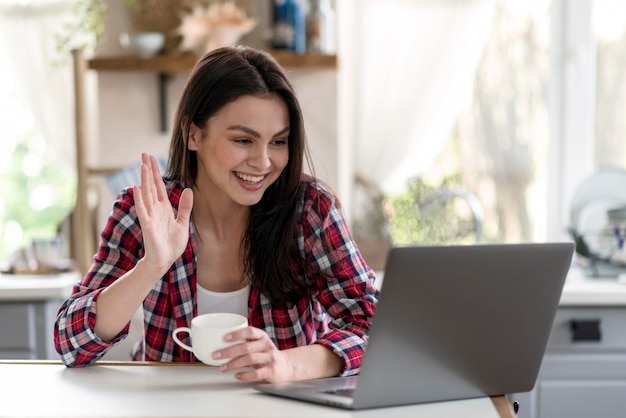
x,y
36,194
430,214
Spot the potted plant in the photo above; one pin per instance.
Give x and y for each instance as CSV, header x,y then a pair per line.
x,y
86,26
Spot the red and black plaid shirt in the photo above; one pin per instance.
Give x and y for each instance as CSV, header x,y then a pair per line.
x,y
337,313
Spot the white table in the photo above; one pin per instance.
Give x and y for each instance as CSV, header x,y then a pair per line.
x,y
130,389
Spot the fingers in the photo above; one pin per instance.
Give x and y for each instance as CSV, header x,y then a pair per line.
x,y
248,334
268,366
259,365
147,185
184,207
140,207
257,352
257,373
255,340
142,196
152,184
161,192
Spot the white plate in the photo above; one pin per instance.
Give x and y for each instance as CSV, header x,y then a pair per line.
x,y
604,190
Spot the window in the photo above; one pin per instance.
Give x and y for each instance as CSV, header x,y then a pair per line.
x,y
544,112
36,194
609,34
490,180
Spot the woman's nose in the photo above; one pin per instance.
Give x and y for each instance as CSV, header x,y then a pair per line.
x,y
260,158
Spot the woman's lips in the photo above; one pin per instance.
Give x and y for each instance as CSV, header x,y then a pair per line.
x,y
250,182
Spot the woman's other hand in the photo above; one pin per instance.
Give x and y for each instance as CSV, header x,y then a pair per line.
x,y
266,363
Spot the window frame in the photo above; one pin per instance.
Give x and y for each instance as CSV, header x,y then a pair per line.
x,y
571,107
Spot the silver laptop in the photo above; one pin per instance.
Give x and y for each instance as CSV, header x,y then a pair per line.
x,y
452,322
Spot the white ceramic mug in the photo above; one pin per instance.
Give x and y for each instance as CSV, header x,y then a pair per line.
x,y
207,335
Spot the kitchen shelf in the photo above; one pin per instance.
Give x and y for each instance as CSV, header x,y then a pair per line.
x,y
170,64
166,65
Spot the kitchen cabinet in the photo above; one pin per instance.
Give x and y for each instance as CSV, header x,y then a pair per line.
x,y
583,373
28,308
26,329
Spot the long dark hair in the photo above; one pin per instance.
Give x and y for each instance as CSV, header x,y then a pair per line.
x,y
220,77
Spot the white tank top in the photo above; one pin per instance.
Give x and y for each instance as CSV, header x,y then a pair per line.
x,y
231,302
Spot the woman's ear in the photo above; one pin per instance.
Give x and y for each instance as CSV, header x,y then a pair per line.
x,y
195,137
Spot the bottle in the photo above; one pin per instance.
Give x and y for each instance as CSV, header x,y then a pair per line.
x,y
289,26
320,28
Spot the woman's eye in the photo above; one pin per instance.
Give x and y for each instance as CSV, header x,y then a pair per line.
x,y
242,141
280,142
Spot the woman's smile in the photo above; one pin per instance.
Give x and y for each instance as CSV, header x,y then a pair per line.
x,y
248,178
249,182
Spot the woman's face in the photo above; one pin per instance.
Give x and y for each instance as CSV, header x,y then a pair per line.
x,y
243,149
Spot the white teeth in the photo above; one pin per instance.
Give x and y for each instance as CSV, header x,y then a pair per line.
x,y
250,179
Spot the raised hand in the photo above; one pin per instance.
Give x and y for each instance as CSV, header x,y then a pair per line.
x,y
165,235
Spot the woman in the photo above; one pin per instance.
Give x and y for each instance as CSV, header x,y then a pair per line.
x,y
236,226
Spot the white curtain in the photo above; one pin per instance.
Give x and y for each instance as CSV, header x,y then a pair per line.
x,y
28,48
417,60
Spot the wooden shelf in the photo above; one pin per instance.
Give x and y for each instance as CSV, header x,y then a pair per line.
x,y
156,64
291,60
168,64
102,171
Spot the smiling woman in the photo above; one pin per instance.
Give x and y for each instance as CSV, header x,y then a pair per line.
x,y
235,218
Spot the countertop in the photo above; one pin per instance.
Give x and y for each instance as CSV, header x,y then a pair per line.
x,y
26,287
579,290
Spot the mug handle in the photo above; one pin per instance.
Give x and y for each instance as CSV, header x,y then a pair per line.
x,y
179,342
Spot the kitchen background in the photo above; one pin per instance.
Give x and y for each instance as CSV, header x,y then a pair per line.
x,y
441,121
436,121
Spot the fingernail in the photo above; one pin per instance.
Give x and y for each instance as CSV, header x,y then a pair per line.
x,y
228,337
223,368
217,354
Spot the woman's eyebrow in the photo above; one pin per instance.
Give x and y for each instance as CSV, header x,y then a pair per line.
x,y
254,133
245,129
282,131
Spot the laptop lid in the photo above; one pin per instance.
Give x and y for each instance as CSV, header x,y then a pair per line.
x,y
454,322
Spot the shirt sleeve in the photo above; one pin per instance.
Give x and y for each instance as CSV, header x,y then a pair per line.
x,y
345,283
120,248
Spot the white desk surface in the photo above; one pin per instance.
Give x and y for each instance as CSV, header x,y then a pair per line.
x,y
49,389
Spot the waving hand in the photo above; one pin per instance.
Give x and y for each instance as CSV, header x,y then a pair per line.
x,y
165,234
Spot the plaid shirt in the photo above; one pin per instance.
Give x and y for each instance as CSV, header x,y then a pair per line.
x,y
336,314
